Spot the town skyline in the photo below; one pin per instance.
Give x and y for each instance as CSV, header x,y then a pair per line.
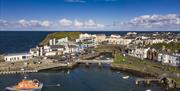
x,y
92,15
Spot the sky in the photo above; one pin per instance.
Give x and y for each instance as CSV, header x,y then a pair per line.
x,y
106,15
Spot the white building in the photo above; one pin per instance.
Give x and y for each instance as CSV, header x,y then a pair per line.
x,y
46,48
85,36
52,53
125,41
139,52
57,48
154,41
175,59
17,57
172,59
71,49
52,41
131,33
34,52
114,39
62,41
100,38
115,36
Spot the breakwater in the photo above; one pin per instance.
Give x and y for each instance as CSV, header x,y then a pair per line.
x,y
17,72
148,77
51,65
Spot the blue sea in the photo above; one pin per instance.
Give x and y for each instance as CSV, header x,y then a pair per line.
x,y
22,41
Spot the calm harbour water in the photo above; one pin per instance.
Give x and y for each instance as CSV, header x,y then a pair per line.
x,y
81,79
78,79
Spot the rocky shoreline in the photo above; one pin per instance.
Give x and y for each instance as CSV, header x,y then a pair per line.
x,y
132,71
168,85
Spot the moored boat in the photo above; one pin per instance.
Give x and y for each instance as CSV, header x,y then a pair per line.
x,y
148,90
125,77
26,85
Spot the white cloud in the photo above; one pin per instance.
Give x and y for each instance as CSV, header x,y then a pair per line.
x,y
152,22
90,23
78,23
156,20
65,22
33,23
23,22
3,22
43,24
100,25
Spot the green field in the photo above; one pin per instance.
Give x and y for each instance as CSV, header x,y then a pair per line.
x,y
71,36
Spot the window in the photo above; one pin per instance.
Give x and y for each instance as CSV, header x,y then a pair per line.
x,y
23,57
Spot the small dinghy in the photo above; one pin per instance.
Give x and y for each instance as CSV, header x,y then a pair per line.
x,y
125,77
148,90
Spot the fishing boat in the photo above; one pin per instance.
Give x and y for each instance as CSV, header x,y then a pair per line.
x,y
26,85
125,77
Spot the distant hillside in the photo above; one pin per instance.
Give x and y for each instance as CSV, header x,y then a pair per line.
x,y
71,36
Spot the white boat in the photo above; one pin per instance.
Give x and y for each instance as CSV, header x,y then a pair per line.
x,y
148,90
125,77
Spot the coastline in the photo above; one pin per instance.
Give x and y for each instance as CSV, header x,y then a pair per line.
x,y
114,66
131,71
144,74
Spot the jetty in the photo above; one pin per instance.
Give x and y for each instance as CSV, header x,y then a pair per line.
x,y
99,62
55,65
39,68
146,80
17,72
89,56
95,61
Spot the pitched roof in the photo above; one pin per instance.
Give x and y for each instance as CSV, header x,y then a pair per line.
x,y
57,46
17,54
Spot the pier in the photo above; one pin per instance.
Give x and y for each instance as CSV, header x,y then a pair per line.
x,y
48,64
38,68
55,65
146,81
17,72
95,61
99,62
89,56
